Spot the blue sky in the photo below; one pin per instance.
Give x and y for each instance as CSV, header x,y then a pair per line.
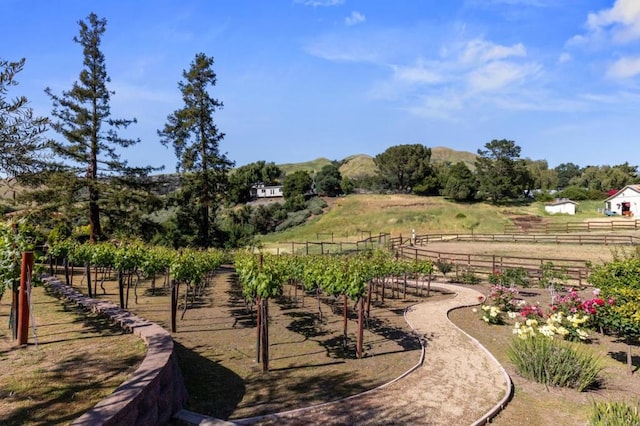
x,y
302,79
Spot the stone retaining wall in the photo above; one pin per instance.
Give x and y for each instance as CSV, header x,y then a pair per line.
x,y
155,391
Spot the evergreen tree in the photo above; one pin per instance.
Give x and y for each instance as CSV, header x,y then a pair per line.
x,y
502,175
21,134
195,138
405,166
91,140
460,184
329,180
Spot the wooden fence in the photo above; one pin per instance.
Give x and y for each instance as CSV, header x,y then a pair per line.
x,y
591,226
579,239
575,270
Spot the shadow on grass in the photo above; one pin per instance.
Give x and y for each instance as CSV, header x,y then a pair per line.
x,y
213,389
53,399
621,356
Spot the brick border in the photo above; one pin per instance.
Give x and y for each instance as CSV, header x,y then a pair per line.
x,y
155,391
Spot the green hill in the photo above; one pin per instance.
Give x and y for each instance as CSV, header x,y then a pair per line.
x,y
441,153
362,165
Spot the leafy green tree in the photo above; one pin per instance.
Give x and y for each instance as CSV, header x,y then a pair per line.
x,y
461,183
347,185
502,175
328,181
297,183
405,166
243,178
195,138
542,177
91,140
566,172
605,178
21,133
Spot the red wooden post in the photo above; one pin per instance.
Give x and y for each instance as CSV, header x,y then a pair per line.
x,y
23,300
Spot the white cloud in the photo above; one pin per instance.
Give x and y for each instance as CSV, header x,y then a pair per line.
x,y
565,57
623,20
355,18
498,75
479,51
417,74
626,67
321,3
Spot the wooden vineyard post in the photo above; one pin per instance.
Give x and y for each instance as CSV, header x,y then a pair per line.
x,y
258,327
265,334
360,335
25,291
121,288
174,304
344,331
87,270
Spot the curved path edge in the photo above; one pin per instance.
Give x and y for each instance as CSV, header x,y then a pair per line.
x,y
191,418
155,391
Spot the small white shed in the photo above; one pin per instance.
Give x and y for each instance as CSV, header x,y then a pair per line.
x,y
625,202
562,206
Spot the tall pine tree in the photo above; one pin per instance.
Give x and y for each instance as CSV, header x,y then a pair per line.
x,y
195,138
21,133
89,149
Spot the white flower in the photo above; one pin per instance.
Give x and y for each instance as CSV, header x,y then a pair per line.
x,y
512,315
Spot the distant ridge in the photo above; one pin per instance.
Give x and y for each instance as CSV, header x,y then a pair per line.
x,y
362,165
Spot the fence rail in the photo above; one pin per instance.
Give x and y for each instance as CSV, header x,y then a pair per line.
x,y
579,239
591,226
575,270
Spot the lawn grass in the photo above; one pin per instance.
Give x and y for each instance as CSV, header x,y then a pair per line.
x,y
78,360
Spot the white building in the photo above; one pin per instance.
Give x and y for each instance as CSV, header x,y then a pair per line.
x,y
563,206
625,202
264,191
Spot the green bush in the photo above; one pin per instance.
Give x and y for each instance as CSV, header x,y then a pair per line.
x,y
316,203
554,362
468,276
294,219
614,414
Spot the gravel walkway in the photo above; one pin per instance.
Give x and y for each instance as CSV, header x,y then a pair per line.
x,y
459,383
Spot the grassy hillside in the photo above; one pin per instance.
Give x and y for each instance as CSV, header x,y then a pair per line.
x,y
309,166
349,217
452,156
358,166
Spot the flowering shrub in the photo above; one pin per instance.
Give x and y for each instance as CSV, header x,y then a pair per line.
x,y
569,317
528,311
568,327
503,297
492,314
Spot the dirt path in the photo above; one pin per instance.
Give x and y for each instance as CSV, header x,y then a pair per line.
x,y
458,383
